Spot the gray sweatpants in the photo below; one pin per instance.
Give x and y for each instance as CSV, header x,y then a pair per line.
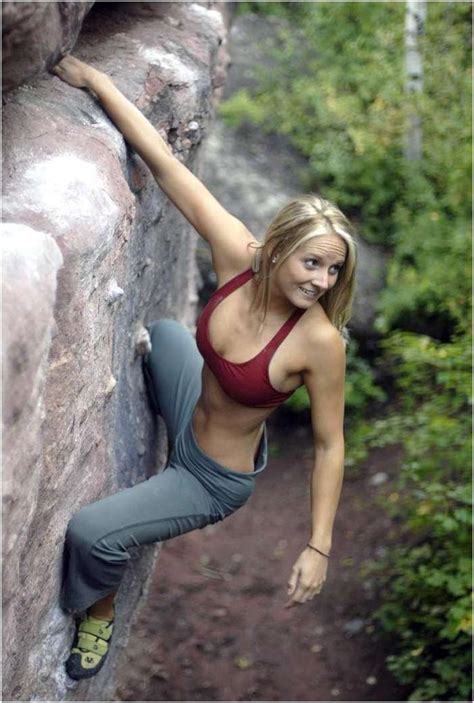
x,y
192,491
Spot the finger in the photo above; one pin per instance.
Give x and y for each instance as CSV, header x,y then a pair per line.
x,y
299,593
310,595
308,592
59,69
294,593
71,62
293,581
63,63
307,595
289,603
315,592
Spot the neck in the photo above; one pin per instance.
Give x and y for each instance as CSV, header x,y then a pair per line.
x,y
278,307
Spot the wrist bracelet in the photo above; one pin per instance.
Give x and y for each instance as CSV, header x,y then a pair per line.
x,y
317,550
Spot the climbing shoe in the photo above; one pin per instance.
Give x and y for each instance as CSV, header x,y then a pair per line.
x,y
90,647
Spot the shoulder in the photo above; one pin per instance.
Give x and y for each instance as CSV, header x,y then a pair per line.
x,y
325,345
236,256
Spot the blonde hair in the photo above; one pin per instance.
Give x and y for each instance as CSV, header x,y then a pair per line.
x,y
302,219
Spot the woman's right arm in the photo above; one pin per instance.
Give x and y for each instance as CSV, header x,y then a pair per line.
x,y
227,236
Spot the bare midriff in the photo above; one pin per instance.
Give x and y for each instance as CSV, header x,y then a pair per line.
x,y
225,430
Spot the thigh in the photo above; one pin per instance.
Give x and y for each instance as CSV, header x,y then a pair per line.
x,y
164,506
175,366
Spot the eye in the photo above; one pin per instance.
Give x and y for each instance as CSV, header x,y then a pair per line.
x,y
335,269
311,262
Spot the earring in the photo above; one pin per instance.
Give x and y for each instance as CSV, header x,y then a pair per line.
x,y
274,260
256,261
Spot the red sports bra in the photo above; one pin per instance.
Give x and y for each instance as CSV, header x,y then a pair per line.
x,y
246,382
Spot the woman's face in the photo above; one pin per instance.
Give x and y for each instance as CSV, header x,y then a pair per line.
x,y
308,273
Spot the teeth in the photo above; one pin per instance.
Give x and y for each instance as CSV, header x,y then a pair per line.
x,y
307,292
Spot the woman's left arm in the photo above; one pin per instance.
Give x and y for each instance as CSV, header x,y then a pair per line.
x,y
324,380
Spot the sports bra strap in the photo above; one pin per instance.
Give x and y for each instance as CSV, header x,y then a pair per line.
x,y
283,332
239,280
234,283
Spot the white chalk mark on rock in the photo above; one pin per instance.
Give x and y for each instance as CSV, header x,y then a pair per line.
x,y
174,69
114,292
70,190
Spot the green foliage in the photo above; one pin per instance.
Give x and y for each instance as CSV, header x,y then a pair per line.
x,y
361,387
241,108
279,9
337,92
429,610
350,123
429,274
426,577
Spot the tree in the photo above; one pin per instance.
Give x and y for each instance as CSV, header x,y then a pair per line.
x,y
415,18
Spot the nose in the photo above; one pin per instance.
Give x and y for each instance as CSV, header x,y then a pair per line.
x,y
321,279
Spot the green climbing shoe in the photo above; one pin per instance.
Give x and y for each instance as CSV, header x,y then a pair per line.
x,y
90,647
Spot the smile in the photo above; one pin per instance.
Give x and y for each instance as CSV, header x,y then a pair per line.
x,y
308,293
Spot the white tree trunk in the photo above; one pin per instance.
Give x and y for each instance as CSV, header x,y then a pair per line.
x,y
415,18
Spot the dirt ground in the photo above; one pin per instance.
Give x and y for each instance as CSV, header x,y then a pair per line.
x,y
215,628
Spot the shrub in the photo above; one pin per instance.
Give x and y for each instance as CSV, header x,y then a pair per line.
x,y
337,92
426,576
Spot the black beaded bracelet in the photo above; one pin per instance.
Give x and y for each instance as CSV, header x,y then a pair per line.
x,y
317,550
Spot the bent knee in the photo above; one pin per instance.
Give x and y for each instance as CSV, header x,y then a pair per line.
x,y
167,331
163,326
82,531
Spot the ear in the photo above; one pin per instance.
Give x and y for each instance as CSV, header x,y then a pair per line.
x,y
273,257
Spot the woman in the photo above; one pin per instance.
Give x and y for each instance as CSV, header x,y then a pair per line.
x,y
275,323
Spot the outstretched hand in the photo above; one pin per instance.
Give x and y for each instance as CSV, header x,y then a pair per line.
x,y
307,577
73,71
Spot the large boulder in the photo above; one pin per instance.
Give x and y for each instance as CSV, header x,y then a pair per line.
x,y
35,35
92,249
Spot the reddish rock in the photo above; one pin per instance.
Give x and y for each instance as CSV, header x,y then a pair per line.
x,y
35,35
93,247
30,262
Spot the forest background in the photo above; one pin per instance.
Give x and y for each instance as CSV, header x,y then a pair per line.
x,y
339,94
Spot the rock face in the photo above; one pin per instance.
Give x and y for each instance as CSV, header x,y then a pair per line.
x,y
35,35
91,248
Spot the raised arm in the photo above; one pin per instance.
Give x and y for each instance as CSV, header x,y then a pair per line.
x,y
324,380
227,236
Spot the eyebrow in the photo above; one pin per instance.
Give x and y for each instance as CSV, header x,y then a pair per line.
x,y
322,256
